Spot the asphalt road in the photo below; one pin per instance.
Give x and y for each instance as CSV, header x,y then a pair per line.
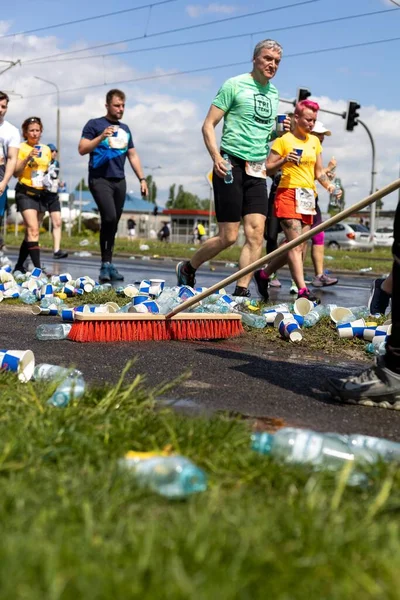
x,y
233,375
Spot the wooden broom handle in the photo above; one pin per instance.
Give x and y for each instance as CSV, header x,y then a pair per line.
x,y
304,237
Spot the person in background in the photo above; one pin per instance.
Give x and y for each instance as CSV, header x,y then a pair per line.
x,y
30,194
201,232
378,385
164,233
51,182
9,145
131,228
109,142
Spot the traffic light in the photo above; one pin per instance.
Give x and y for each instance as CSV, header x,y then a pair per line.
x,y
302,94
352,115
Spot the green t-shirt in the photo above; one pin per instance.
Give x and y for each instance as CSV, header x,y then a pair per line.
x,y
250,111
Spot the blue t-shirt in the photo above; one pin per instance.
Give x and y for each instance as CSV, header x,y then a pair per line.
x,y
108,158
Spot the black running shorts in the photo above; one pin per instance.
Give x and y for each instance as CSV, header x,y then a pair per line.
x,y
246,195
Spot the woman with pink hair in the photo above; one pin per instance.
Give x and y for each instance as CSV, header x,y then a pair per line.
x,y
298,155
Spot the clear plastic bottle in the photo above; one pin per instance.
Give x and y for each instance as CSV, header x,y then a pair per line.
x,y
229,175
377,350
357,312
333,198
53,331
170,476
55,300
28,297
302,446
384,449
315,315
46,371
71,388
252,320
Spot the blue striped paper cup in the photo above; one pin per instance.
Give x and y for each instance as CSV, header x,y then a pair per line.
x,y
68,315
11,293
36,273
47,291
369,333
353,329
149,306
281,316
144,287
69,289
229,300
377,340
140,299
6,269
198,290
186,292
156,287
51,311
7,285
289,329
21,362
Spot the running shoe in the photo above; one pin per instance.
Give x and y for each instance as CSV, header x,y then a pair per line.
x,y
293,288
115,275
274,281
183,275
262,285
241,292
305,293
375,386
60,254
324,280
378,299
104,275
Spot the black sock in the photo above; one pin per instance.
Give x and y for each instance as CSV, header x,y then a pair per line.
x,y
189,269
23,254
34,253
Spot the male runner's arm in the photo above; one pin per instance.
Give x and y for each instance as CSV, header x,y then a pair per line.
x,y
86,146
12,155
134,161
212,119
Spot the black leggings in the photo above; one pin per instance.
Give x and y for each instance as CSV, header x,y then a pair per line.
x,y
392,358
109,195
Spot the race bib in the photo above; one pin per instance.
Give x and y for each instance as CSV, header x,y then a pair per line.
x,y
256,169
37,178
305,201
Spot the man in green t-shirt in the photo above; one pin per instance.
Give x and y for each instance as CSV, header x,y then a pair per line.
x,y
248,104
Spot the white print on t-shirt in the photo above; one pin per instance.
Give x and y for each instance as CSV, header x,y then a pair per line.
x,y
119,141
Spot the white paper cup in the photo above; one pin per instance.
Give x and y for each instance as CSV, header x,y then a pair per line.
x,y
339,312
289,329
350,330
302,306
18,361
131,291
112,306
156,287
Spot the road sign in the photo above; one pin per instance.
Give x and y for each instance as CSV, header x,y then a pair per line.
x,y
209,177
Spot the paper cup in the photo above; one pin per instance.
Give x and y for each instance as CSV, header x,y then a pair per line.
x,y
289,329
338,313
156,287
36,273
299,152
112,306
140,299
144,287
302,306
130,291
369,333
281,316
354,329
68,315
150,306
18,361
47,291
51,311
279,124
186,292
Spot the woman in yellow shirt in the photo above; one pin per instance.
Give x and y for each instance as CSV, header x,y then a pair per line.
x,y
30,194
298,155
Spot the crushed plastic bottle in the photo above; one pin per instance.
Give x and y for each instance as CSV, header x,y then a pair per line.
x,y
53,331
28,297
324,451
71,388
377,350
170,476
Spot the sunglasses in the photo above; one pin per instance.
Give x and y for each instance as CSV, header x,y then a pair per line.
x,y
34,120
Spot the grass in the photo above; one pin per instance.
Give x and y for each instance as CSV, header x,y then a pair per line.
x,y
73,526
380,259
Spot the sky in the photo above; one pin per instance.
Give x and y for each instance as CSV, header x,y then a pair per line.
x,y
175,64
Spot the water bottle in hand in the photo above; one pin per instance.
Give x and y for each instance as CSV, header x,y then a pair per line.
x,y
228,175
170,476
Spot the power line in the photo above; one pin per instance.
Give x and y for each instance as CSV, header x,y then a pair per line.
x,y
217,39
214,68
176,30
84,20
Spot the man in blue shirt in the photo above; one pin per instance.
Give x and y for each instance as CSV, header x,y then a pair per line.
x,y
109,142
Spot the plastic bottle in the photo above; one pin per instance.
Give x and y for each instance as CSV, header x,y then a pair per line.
x,y
53,331
46,302
170,476
302,446
315,315
229,175
333,198
46,371
357,312
71,388
252,320
384,449
379,350
28,297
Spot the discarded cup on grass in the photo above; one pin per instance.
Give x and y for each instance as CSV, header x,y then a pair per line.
x,y
21,362
186,292
47,291
302,306
339,312
130,291
112,306
369,333
156,287
11,293
144,287
68,314
289,329
353,329
280,316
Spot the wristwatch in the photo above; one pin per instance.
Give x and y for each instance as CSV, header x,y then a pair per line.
x,y
142,179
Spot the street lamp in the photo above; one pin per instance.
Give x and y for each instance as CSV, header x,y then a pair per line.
x,y
58,112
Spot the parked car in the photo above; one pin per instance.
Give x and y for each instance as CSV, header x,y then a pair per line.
x,y
383,236
349,236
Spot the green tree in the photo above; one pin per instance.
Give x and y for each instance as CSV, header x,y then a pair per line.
x,y
85,188
183,199
152,187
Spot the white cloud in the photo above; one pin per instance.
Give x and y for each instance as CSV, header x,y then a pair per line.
x,y
197,10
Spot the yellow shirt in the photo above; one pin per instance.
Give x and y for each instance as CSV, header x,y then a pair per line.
x,y
36,168
201,229
302,175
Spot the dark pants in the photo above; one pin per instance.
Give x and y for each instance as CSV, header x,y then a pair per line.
x,y
109,195
392,358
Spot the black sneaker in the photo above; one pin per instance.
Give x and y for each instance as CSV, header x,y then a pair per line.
x,y
183,275
262,285
378,299
309,295
241,292
376,386
20,269
60,254
115,275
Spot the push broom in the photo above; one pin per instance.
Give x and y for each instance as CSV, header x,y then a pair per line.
x,y
178,325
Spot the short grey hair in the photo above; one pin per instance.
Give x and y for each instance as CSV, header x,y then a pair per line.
x,y
269,44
